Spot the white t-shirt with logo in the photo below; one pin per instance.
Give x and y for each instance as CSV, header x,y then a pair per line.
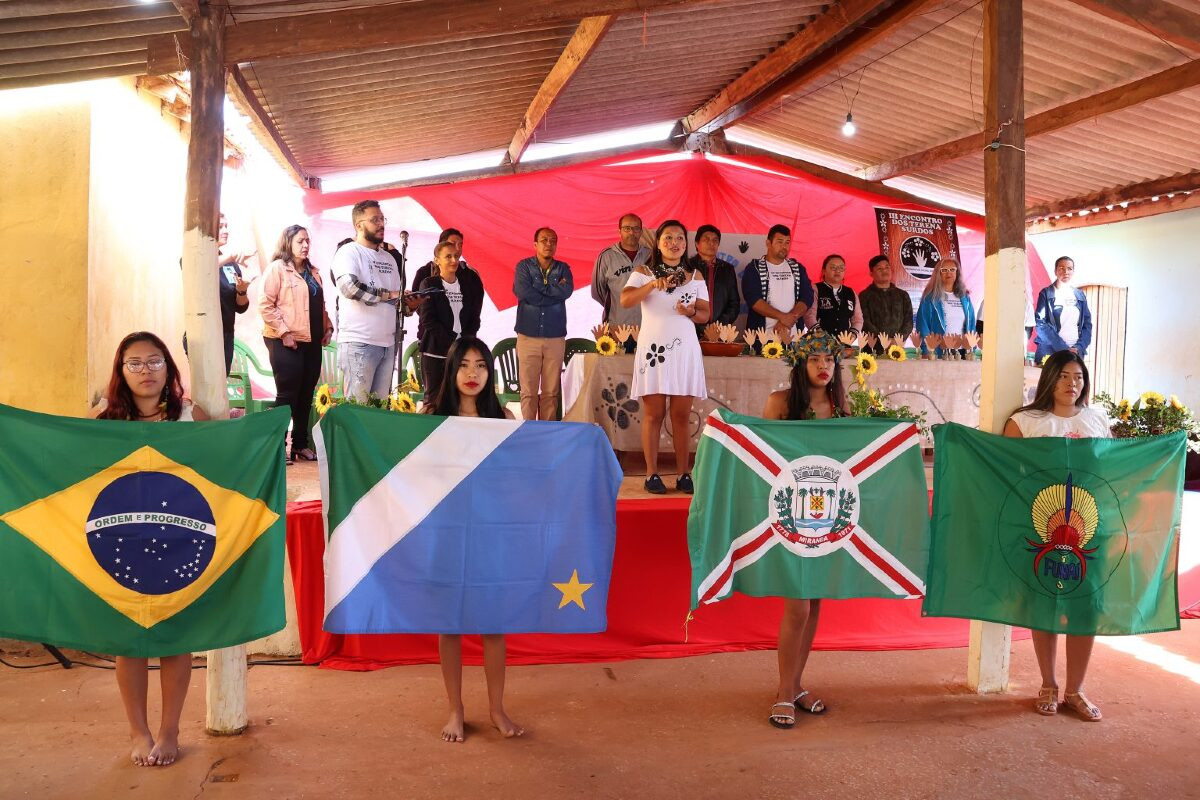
x,y
1068,320
955,317
454,295
781,287
357,321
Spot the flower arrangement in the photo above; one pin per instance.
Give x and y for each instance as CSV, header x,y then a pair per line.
x,y
1150,415
324,399
867,402
401,400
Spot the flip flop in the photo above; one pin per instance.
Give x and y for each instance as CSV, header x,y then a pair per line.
x,y
817,707
783,721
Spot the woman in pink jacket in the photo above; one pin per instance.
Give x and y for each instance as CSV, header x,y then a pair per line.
x,y
295,327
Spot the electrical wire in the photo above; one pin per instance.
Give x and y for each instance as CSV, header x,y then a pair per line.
x,y
263,662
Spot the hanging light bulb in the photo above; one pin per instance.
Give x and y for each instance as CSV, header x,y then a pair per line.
x,y
849,128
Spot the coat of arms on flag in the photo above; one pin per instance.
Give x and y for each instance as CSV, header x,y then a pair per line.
x,y
1072,536
830,508
459,525
141,539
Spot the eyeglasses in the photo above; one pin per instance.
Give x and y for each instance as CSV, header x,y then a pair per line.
x,y
153,364
630,228
948,270
378,220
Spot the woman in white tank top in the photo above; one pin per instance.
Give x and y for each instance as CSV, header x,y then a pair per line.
x,y
1060,409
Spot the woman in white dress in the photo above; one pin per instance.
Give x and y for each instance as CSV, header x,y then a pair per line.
x,y
668,367
1060,409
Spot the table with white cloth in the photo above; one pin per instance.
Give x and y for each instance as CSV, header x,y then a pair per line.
x,y
596,389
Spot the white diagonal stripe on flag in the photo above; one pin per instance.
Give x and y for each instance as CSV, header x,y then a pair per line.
x,y
886,568
743,551
395,505
747,446
885,449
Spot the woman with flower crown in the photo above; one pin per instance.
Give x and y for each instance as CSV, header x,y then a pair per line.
x,y
668,366
816,392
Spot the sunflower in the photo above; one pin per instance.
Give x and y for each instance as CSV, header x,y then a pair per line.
x,y
324,400
1152,399
772,349
876,399
867,363
402,402
1175,404
606,345
1045,358
859,378
1124,409
897,353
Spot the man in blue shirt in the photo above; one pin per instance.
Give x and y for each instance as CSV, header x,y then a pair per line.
x,y
542,285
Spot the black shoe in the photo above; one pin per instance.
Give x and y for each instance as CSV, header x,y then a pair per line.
x,y
684,484
654,485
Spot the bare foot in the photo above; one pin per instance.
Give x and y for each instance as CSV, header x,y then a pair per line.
x,y
165,751
143,745
505,725
453,732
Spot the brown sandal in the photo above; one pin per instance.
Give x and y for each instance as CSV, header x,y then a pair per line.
x,y
1082,706
1047,701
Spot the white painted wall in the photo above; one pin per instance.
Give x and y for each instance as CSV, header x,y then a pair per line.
x,y
1158,260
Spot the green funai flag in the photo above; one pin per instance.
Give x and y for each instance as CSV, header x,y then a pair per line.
x,y
1074,536
141,539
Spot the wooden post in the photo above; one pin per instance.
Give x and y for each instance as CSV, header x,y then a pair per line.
x,y
226,675
1004,281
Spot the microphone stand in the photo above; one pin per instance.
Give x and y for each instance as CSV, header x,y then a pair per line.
x,y
400,308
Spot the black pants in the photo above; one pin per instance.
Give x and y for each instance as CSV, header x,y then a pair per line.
x,y
434,370
228,336
296,374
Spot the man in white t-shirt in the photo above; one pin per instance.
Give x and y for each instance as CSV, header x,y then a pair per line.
x,y
368,279
776,288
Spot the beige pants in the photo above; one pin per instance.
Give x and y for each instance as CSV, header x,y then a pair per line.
x,y
540,363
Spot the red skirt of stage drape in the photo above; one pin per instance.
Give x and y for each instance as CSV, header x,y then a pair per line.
x,y
647,608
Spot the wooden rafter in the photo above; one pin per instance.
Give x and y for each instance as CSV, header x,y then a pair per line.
x,y
1167,82
833,175
390,25
188,9
801,58
243,96
1106,216
1165,20
1185,182
587,38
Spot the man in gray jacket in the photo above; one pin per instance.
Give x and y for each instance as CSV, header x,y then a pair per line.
x,y
613,268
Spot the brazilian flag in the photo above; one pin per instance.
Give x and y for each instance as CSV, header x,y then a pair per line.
x,y
141,539
1075,536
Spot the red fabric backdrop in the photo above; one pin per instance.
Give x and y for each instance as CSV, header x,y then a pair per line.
x,y
583,202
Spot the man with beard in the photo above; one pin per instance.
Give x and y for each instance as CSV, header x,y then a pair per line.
x,y
368,279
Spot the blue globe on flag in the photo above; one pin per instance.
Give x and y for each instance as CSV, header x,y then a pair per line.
x,y
153,532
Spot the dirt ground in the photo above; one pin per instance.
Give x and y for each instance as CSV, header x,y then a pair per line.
x,y
901,725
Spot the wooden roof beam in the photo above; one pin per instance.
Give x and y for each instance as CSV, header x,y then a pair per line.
x,y
1135,210
587,38
1169,81
243,96
1165,20
1184,182
389,25
793,63
188,9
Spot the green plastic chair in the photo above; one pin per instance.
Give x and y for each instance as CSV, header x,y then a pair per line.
x,y
412,366
243,362
508,382
237,389
329,370
577,346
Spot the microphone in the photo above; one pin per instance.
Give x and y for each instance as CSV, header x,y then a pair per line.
x,y
404,237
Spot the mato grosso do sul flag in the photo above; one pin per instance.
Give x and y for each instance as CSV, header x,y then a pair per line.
x,y
141,539
829,508
1073,536
465,525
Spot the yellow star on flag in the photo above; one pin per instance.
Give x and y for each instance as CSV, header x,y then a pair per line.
x,y
572,590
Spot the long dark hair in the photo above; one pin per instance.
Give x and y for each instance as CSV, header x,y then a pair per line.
x,y
671,223
283,250
799,398
120,397
447,402
1043,398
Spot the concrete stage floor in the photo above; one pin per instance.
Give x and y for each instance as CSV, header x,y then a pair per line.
x,y
901,725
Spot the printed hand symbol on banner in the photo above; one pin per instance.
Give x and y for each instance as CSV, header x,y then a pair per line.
x,y
743,246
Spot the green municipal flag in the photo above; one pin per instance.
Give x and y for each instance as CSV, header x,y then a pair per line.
x,y
141,539
1073,536
829,508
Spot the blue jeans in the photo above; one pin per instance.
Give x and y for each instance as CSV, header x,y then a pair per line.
x,y
366,369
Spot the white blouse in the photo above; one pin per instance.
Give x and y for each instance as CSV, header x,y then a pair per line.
x,y
1089,423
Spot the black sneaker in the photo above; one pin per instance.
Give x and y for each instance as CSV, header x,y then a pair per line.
x,y
684,484
654,485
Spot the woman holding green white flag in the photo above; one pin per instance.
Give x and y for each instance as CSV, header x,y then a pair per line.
x,y
816,392
145,387
1060,408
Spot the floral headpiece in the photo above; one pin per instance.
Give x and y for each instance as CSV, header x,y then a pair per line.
x,y
814,342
